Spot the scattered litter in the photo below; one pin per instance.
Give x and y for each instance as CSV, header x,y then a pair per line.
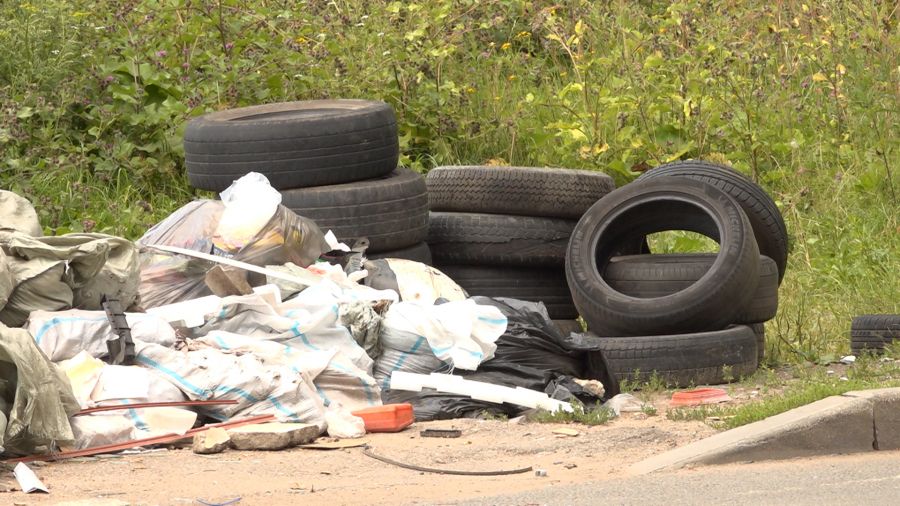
x,y
335,444
445,433
624,403
367,452
849,359
566,432
844,378
387,418
699,396
570,466
540,472
343,424
28,481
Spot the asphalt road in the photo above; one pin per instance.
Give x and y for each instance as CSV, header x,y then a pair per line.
x,y
871,478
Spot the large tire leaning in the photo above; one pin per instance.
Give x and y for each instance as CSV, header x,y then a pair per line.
x,y
648,276
498,239
524,283
293,144
683,360
417,253
524,191
392,211
640,209
765,218
873,332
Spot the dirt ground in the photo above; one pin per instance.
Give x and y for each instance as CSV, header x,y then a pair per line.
x,y
347,476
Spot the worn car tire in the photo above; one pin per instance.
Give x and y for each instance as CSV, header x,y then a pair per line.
x,y
293,144
765,218
760,330
498,239
392,210
683,360
649,276
873,332
418,253
525,191
656,205
525,283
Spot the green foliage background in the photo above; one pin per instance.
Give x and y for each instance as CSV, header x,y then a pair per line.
x,y
803,97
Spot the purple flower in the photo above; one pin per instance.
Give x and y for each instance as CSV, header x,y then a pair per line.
x,y
161,53
108,79
229,45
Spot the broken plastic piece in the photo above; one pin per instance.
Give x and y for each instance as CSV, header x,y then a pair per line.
x,y
699,396
28,481
387,418
477,390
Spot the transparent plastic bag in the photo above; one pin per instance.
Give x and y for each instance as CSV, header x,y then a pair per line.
x,y
227,228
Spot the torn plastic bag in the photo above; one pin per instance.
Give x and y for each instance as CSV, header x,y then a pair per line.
x,y
34,394
62,272
205,373
17,214
414,281
63,334
532,354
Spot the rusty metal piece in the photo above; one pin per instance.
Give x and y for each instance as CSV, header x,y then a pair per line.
x,y
141,405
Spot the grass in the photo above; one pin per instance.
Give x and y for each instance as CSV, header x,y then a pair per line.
x,y
596,415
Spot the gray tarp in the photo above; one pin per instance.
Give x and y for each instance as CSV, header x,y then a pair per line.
x,y
72,270
17,214
35,396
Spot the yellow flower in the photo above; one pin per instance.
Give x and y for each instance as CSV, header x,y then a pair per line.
x,y
470,90
512,77
505,46
523,35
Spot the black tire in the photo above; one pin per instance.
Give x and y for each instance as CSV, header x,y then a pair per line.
x,y
760,330
525,191
683,360
524,283
873,332
649,276
498,239
640,209
568,326
765,218
417,253
294,144
392,211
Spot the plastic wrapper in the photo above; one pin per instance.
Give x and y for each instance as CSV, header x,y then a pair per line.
x,y
532,353
168,278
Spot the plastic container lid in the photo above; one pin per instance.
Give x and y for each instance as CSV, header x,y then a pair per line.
x,y
387,418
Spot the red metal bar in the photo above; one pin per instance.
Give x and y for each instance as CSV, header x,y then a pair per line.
x,y
141,405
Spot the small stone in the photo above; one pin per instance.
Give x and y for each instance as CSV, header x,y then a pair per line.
x,y
540,472
566,432
214,440
272,436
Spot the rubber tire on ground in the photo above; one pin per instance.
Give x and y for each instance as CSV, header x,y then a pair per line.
x,y
873,332
760,330
525,191
392,210
418,253
568,326
684,360
647,276
293,144
524,283
765,218
643,208
498,239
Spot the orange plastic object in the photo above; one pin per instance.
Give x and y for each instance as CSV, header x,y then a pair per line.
x,y
699,396
387,418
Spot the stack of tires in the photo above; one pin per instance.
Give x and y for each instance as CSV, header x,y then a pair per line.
x,y
334,161
503,231
688,318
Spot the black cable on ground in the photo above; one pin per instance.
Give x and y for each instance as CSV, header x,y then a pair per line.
x,y
367,452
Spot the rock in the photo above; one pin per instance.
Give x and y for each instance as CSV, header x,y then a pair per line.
x,y
214,440
272,436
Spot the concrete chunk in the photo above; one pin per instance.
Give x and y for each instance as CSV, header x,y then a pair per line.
x,y
272,436
886,402
214,440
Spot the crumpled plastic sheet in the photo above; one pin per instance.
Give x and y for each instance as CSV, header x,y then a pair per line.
x,y
532,353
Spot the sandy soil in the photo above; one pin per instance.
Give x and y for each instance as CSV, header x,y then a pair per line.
x,y
346,476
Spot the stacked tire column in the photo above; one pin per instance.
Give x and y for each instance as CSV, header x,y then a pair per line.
x,y
503,231
334,161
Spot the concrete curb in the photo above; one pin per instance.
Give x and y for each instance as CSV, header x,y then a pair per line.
x,y
854,422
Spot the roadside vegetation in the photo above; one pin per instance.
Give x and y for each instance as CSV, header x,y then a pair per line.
x,y
804,97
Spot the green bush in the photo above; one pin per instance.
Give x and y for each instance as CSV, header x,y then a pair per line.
x,y
803,97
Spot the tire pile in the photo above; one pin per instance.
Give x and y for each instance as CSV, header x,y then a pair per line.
x,y
334,161
503,231
689,318
873,332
